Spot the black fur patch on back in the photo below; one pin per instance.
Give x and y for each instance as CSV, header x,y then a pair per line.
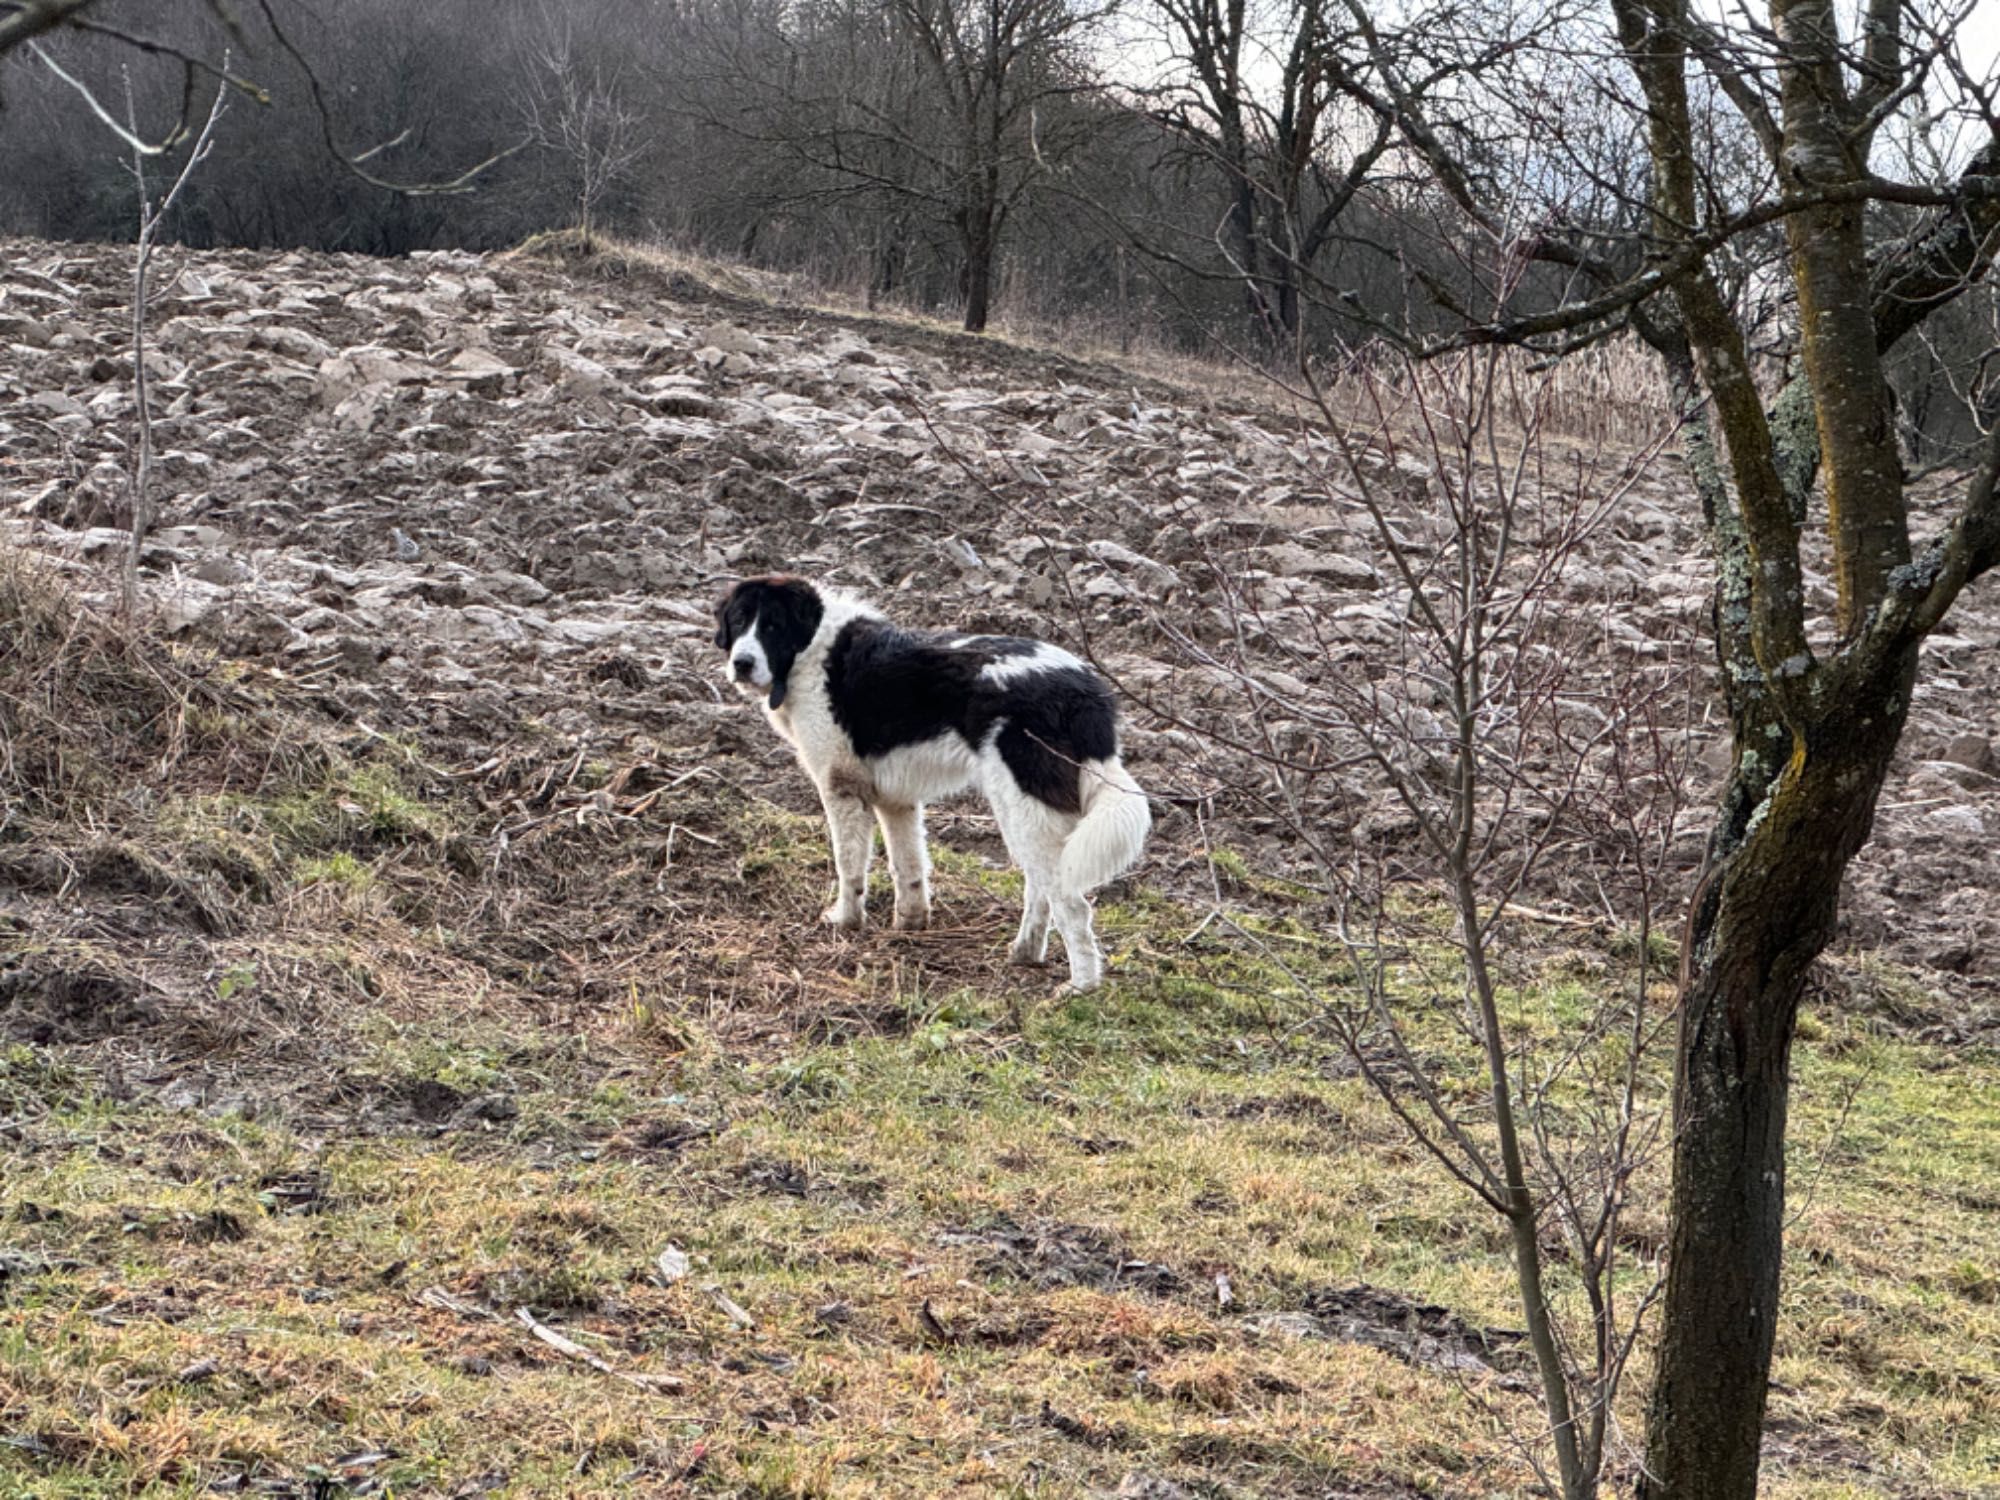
x,y
890,687
1056,720
787,612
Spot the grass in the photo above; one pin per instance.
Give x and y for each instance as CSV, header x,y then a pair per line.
x,y
975,1258
318,1088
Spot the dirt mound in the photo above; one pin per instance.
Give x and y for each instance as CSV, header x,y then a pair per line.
x,y
1418,1333
90,705
1053,1254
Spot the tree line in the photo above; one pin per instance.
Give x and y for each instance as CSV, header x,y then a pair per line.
x,y
1190,174
1184,174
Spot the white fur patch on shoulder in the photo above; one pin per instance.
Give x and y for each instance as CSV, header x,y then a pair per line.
x,y
839,607
1044,658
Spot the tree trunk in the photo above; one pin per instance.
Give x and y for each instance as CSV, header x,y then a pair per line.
x,y
978,289
886,277
1281,297
1124,305
977,239
1763,915
1243,243
1285,318
1722,1278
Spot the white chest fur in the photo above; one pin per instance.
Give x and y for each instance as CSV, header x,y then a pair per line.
x,y
906,776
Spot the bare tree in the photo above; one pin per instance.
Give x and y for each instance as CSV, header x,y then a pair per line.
x,y
576,110
1816,720
1256,99
1502,744
951,109
151,214
991,62
188,35
21,21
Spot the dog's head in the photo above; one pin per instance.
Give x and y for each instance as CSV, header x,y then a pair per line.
x,y
764,623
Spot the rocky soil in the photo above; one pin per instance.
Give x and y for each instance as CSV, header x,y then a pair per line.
x,y
478,500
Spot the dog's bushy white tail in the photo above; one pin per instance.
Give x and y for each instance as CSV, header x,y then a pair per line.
x,y
1115,822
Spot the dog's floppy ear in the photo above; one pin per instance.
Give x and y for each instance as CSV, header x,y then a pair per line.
x,y
788,614
723,607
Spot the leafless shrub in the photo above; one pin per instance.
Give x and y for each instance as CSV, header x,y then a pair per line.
x,y
1479,728
1610,395
576,109
90,702
151,213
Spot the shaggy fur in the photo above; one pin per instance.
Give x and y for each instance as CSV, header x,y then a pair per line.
x,y
885,720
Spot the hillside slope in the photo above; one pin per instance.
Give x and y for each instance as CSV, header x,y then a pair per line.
x,y
393,944
583,458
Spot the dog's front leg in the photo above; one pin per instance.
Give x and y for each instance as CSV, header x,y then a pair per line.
x,y
909,862
852,830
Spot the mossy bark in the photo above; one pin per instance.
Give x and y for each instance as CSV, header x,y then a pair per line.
x,y
1760,922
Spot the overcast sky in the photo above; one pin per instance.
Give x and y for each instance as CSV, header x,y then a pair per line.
x,y
1143,55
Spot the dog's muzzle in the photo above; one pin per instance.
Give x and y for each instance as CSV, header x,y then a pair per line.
x,y
745,668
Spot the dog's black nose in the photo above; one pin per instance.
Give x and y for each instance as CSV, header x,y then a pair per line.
x,y
744,665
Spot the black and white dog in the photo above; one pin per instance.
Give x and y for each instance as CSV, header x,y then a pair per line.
x,y
885,719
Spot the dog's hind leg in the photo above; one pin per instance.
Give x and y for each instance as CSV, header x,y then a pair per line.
x,y
1031,943
1070,911
1034,835
853,833
909,862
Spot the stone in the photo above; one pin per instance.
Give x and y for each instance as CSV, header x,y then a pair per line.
x,y
365,409
481,373
1155,575
57,404
1293,560
730,338
319,618
339,377
1963,820
512,588
187,604
295,343
221,570
681,401
498,624
194,535
1975,752
30,331
580,374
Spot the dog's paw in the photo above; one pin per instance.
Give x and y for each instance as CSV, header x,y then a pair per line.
x,y
1027,958
913,921
1072,987
847,919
